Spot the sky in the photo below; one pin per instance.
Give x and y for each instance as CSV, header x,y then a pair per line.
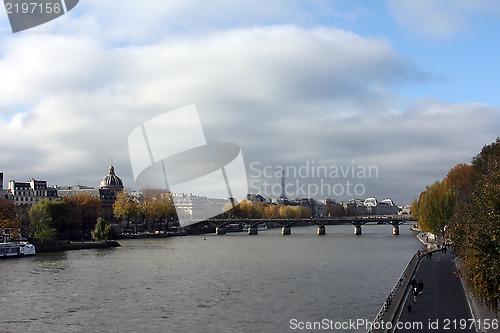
x,y
404,89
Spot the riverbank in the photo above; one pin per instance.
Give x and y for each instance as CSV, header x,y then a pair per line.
x,y
392,310
70,246
479,311
392,306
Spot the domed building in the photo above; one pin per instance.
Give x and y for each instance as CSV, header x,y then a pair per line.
x,y
111,181
109,187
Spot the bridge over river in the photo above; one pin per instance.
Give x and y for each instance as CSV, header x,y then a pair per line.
x,y
223,225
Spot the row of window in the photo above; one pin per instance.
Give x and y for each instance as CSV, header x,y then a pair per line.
x,y
34,193
23,199
27,187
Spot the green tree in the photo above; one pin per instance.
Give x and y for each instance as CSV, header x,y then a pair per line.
x,y
47,214
41,229
103,230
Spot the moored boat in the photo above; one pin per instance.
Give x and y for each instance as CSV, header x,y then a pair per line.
x,y
16,249
260,227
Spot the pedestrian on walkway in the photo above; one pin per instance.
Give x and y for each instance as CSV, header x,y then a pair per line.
x,y
413,283
415,294
420,286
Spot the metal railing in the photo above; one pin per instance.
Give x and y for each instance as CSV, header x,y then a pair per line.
x,y
402,282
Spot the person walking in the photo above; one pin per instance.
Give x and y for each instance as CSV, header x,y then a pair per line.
x,y
420,286
415,294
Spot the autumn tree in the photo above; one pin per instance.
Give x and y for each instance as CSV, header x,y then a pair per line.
x,y
250,210
164,209
334,209
475,230
290,212
462,178
126,207
468,202
271,211
435,206
230,209
85,210
155,206
245,210
305,212
22,212
9,220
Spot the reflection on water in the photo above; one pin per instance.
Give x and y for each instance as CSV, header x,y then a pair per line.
x,y
231,283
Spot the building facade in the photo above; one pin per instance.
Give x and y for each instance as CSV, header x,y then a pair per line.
x,y
192,207
3,193
30,193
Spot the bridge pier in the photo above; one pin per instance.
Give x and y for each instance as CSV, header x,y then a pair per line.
x,y
321,230
395,230
253,230
357,230
286,230
220,230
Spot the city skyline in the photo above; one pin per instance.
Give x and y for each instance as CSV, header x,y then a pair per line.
x,y
284,192
406,87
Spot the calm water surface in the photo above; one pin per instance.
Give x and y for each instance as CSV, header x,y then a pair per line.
x,y
231,283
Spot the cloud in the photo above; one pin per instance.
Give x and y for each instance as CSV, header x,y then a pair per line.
x,y
286,94
411,149
440,18
122,23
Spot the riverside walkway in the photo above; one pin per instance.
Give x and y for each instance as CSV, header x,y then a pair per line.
x,y
443,305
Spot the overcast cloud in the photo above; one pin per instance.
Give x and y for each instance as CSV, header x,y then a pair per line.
x,y
290,84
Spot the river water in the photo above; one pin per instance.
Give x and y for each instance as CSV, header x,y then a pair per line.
x,y
231,283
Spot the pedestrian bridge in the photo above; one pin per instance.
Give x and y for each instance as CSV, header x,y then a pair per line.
x,y
223,225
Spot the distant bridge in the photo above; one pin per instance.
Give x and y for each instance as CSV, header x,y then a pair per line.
x,y
222,225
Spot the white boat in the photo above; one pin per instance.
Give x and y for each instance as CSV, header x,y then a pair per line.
x,y
260,227
16,249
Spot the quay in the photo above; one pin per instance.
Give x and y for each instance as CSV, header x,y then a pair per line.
x,y
69,246
444,305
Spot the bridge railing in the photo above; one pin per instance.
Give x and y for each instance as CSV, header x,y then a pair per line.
x,y
368,218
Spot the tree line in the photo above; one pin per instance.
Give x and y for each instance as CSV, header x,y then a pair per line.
x,y
79,217
260,210
72,218
464,207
